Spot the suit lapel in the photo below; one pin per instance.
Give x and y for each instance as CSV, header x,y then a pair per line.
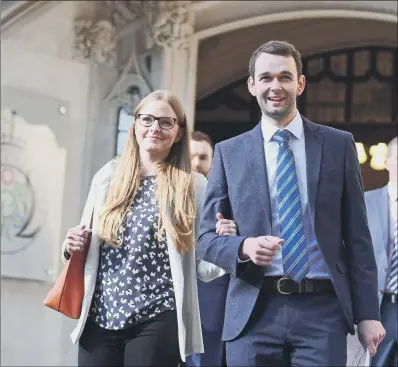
x,y
313,150
254,146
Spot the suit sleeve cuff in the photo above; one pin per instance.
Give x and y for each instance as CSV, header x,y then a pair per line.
x,y
241,265
370,316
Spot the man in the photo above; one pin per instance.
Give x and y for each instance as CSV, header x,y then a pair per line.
x,y
302,268
201,152
212,295
381,206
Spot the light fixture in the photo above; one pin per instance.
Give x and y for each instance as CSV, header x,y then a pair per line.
x,y
362,156
62,110
379,155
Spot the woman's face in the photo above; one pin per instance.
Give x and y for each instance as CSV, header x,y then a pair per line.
x,y
154,139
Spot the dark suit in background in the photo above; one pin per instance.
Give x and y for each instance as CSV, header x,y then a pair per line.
x,y
382,224
212,298
212,295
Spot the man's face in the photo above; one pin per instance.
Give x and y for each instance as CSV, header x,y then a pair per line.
x,y
201,156
276,86
392,162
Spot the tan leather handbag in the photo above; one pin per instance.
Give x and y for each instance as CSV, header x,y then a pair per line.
x,y
66,295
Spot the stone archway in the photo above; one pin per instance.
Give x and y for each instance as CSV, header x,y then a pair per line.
x,y
222,59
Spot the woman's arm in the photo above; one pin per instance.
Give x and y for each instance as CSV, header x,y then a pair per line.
x,y
205,270
86,216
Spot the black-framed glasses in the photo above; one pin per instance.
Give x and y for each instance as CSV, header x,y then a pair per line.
x,y
165,123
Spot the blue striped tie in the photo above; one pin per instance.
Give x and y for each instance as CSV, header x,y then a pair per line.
x,y
392,280
294,249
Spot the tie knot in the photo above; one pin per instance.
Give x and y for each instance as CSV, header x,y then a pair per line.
x,y
282,136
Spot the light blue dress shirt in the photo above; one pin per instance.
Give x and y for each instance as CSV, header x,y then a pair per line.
x,y
318,267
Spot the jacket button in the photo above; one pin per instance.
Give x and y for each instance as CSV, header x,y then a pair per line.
x,y
385,269
380,291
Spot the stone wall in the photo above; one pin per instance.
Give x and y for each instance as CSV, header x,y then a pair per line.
x,y
36,60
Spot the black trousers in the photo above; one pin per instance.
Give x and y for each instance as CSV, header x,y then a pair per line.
x,y
151,343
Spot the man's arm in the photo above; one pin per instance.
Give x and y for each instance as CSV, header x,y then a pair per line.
x,y
218,250
358,241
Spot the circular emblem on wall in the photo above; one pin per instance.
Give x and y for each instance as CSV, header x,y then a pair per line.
x,y
22,211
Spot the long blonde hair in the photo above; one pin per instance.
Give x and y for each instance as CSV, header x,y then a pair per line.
x,y
175,187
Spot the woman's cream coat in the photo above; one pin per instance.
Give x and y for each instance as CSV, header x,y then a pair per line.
x,y
184,268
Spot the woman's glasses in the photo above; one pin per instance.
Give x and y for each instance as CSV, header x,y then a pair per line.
x,y
165,123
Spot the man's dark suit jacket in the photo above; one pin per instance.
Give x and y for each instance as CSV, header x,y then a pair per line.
x,y
212,296
238,188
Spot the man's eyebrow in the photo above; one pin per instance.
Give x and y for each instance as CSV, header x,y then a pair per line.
x,y
284,72
263,74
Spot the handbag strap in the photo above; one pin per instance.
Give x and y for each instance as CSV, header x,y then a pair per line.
x,y
91,223
91,220
90,237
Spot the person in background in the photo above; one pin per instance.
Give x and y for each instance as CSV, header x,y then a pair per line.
x,y
140,306
382,210
201,152
302,267
212,295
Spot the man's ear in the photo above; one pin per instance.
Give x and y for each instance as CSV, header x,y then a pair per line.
x,y
301,85
251,86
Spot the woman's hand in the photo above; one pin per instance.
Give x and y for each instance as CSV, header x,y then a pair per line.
x,y
76,239
225,227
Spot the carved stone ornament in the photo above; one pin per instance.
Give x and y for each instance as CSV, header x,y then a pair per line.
x,y
166,22
130,99
171,22
122,12
96,41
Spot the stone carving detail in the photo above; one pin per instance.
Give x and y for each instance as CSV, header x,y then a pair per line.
x,y
130,99
123,12
170,22
96,41
166,22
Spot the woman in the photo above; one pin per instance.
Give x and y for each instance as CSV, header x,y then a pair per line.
x,y
140,306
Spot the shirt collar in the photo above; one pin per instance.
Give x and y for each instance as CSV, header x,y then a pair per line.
x,y
269,129
392,191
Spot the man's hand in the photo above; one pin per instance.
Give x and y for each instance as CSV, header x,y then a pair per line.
x,y
261,250
370,334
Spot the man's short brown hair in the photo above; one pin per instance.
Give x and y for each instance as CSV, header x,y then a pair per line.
x,y
281,48
199,136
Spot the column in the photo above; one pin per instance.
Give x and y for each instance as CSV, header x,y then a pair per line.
x,y
173,30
